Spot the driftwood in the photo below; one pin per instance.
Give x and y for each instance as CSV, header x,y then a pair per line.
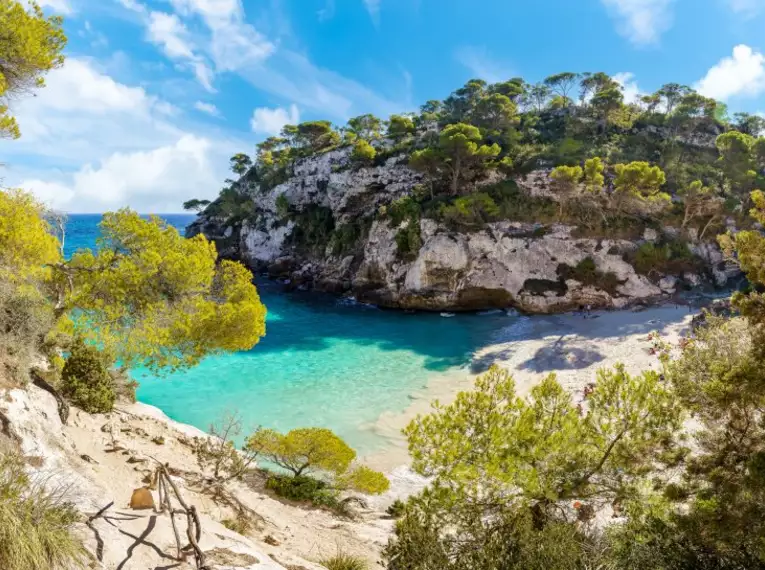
x,y
63,407
165,485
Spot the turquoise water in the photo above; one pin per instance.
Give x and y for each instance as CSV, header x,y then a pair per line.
x,y
323,362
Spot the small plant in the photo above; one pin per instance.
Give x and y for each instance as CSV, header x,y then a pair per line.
x,y
344,561
35,523
409,241
240,524
363,152
396,509
473,211
282,207
86,381
219,454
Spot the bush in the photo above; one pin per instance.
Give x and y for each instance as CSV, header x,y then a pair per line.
x,y
282,206
406,208
85,379
587,273
35,523
671,257
363,152
472,211
409,240
343,561
396,509
25,318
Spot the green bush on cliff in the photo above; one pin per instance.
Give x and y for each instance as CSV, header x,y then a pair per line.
x,y
86,381
672,257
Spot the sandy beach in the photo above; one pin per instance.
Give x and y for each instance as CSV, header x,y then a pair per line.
x,y
530,347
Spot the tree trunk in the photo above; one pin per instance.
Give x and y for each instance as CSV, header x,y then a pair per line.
x,y
455,176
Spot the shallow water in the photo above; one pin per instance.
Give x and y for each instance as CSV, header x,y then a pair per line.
x,y
323,362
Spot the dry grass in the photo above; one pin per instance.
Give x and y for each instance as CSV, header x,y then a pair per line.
x,y
343,561
35,523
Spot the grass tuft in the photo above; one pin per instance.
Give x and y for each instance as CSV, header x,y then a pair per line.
x,y
35,523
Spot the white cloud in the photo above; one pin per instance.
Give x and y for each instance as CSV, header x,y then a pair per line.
x,y
480,63
271,121
746,8
168,31
58,6
156,180
373,7
742,74
91,143
208,108
641,21
629,85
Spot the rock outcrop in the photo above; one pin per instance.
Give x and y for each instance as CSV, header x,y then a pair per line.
x,y
504,264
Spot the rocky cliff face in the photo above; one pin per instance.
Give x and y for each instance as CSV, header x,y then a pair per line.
x,y
505,264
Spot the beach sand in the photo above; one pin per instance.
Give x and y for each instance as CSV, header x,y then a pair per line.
x,y
531,347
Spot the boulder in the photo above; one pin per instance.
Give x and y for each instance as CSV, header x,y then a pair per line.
x,y
142,499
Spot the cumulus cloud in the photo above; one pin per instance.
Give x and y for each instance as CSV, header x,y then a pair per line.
x,y
271,121
208,108
741,74
641,21
629,85
158,180
481,64
91,143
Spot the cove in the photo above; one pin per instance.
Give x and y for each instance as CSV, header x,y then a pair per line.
x,y
324,361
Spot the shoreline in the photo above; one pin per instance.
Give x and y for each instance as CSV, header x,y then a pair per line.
x,y
569,345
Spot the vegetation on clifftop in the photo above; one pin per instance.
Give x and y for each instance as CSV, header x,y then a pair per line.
x,y
672,157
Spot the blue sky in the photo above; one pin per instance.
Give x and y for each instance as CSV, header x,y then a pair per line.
x,y
157,94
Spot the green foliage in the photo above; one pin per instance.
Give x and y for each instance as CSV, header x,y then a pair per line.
x,y
32,45
314,227
311,137
343,561
195,205
365,127
27,245
472,211
601,453
400,126
36,523
85,379
403,209
363,152
396,509
25,319
349,236
672,257
637,189
459,157
316,451
587,273
240,163
409,240
282,207
148,296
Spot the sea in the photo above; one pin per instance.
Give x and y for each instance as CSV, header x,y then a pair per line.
x,y
324,361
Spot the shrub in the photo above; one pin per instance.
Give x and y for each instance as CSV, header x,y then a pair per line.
x,y
282,206
85,379
313,227
316,451
25,318
474,210
409,240
363,152
35,523
587,273
396,509
405,208
670,257
300,488
343,561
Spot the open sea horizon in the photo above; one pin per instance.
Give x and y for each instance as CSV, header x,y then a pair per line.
x,y
325,361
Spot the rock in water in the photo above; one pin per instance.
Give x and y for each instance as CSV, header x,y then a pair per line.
x,y
142,499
